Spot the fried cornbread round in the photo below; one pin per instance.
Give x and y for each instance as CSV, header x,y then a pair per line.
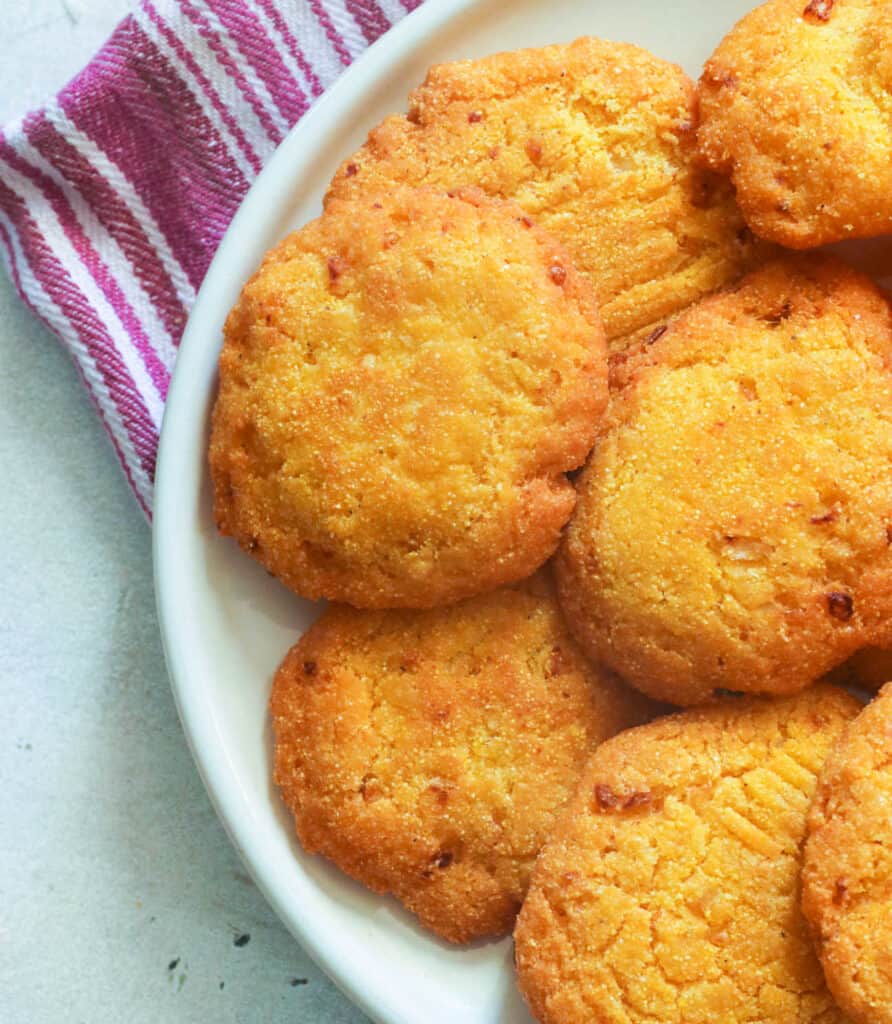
x,y
734,524
847,874
596,141
668,890
427,752
403,385
796,106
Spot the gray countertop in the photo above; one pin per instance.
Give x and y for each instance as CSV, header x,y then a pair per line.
x,y
120,896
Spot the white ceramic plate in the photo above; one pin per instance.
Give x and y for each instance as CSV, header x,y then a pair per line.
x,y
226,623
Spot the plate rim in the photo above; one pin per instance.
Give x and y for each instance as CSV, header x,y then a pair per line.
x,y
372,993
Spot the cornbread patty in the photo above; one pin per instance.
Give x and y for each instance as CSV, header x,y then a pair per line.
x,y
796,106
847,876
426,753
734,523
403,385
596,141
669,889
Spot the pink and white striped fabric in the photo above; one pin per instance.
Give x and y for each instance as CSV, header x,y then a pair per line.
x,y
114,196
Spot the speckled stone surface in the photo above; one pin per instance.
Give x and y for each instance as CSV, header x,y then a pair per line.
x,y
120,896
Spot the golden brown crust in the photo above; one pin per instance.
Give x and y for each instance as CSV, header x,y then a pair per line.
x,y
868,669
403,385
596,141
426,753
847,874
734,523
796,106
668,890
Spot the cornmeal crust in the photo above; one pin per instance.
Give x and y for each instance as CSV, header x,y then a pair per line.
x,y
403,385
847,876
734,524
669,889
427,753
596,141
796,106
869,669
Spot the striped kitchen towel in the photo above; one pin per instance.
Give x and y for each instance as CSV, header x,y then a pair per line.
x,y
114,196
